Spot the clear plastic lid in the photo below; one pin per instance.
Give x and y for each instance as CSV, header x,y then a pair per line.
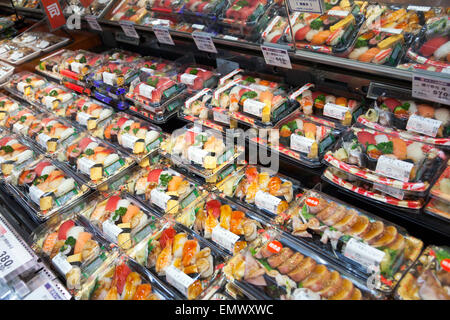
x,y
24,84
260,189
441,189
428,278
130,134
6,71
17,54
41,40
129,10
50,64
284,270
114,76
8,107
96,7
52,97
198,77
121,56
202,8
360,241
274,32
438,208
410,119
242,12
80,64
152,65
180,258
380,158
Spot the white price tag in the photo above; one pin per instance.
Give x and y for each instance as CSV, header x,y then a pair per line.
x,y
76,66
334,111
159,198
224,238
145,90
48,291
188,78
84,165
129,140
111,230
276,57
83,117
418,8
264,200
431,88
338,13
17,127
198,26
227,37
254,107
109,78
13,254
220,117
391,30
426,126
300,143
363,253
310,6
61,263
93,23
393,168
128,29
163,35
35,194
42,139
196,154
204,42
48,101
393,192
178,279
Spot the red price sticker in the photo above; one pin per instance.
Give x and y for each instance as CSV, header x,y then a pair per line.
x,y
445,264
274,246
312,202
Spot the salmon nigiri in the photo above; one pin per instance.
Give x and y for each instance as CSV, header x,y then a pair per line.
x,y
369,55
320,37
83,237
190,250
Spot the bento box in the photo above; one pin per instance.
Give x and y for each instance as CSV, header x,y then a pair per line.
x,y
260,190
280,269
410,119
44,189
153,65
121,56
96,8
428,279
198,78
360,242
129,11
204,12
180,258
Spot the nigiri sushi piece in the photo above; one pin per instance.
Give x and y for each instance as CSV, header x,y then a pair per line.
x,y
430,46
369,55
320,37
178,244
354,55
442,52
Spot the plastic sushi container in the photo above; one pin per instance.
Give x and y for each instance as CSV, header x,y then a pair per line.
x,y
44,189
431,46
318,105
180,258
300,139
71,247
40,40
409,119
360,242
24,84
163,190
49,65
440,196
252,104
6,71
121,56
260,190
129,10
19,54
404,168
281,269
275,31
131,135
424,67
15,153
224,290
332,32
245,19
8,107
121,219
204,12
97,8
6,45
224,223
31,4
428,277
121,278
87,113
152,65
386,34
53,98
197,77
95,161
202,154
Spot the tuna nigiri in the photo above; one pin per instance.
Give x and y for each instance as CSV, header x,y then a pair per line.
x,y
430,46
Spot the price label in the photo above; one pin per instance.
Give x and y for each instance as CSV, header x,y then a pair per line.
x,y
393,168
311,6
254,107
220,117
391,30
264,200
178,279
61,264
85,165
48,291
300,143
129,140
13,254
159,198
146,91
128,29
109,78
35,194
224,238
111,231
163,35
426,126
418,8
393,192
93,23
276,57
83,117
431,88
334,111
204,42
274,246
338,13
363,253
188,78
227,37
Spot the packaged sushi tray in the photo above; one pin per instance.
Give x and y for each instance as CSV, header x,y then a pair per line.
x,y
440,196
87,113
24,84
422,67
49,65
31,4
121,219
40,40
164,190
275,31
71,247
406,167
224,290
245,19
319,105
198,11
8,107
357,240
76,67
257,104
387,33
432,44
260,190
300,139
152,65
17,54
97,8
428,279
157,95
121,278
131,135
410,119
52,97
6,71
203,154
121,56
95,161
44,188
182,259
284,270
226,224
130,10
15,153
197,78
332,32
